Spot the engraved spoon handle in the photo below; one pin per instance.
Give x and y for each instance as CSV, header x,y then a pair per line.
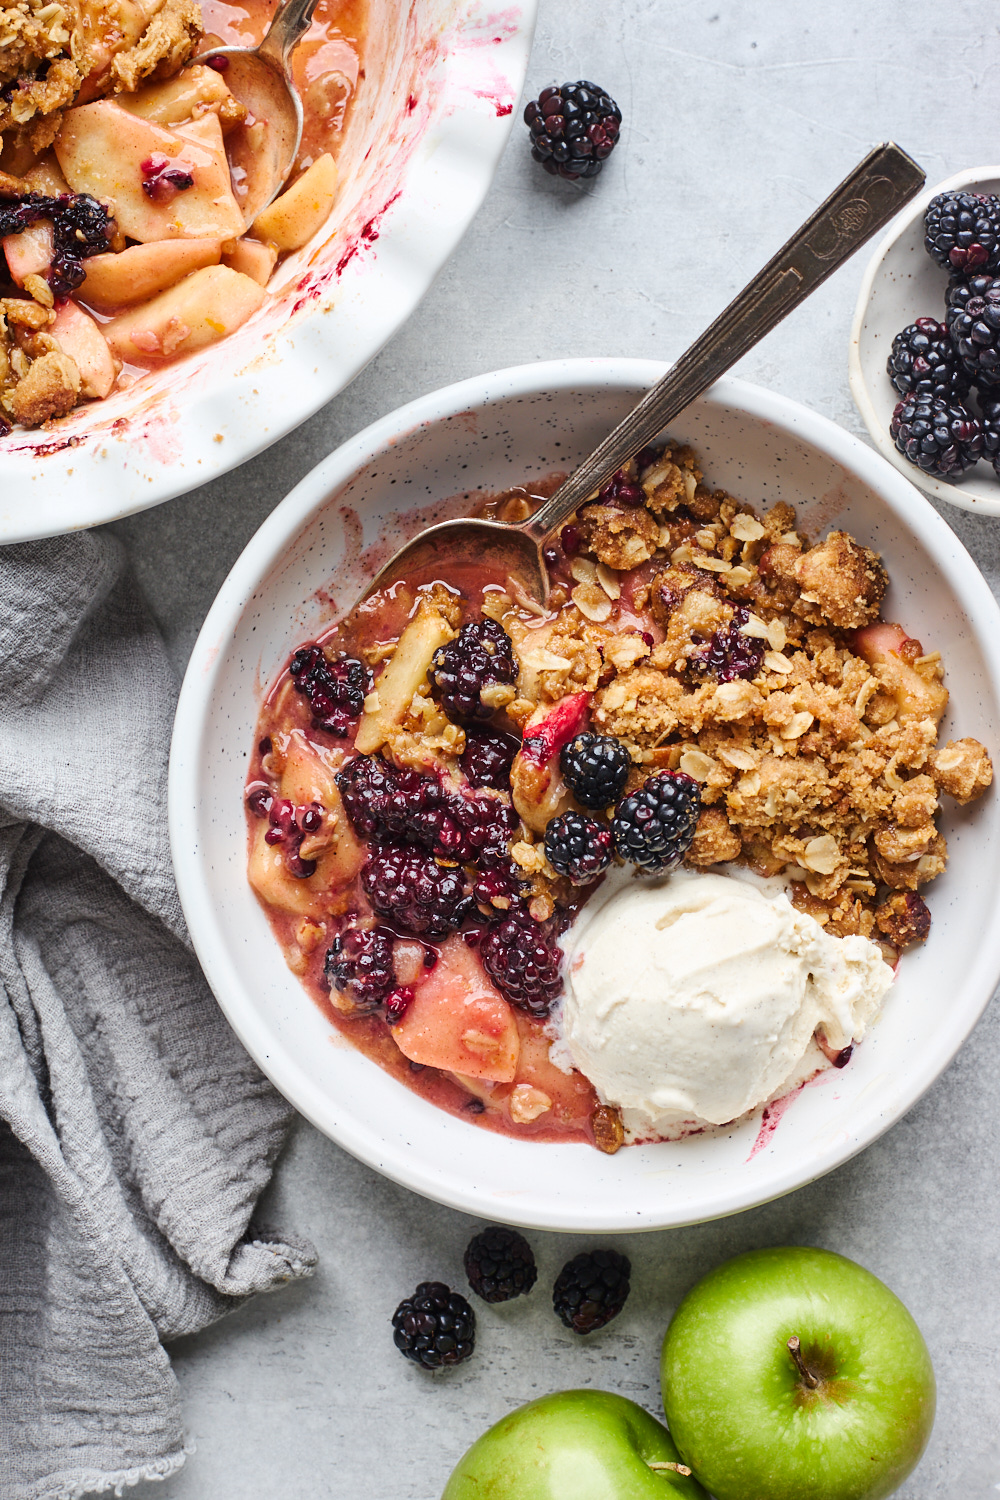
x,y
865,201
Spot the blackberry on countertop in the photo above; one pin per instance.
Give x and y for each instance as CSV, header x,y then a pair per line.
x,y
962,231
975,331
578,846
408,887
487,759
500,1265
523,961
940,437
591,1289
595,767
653,827
359,967
480,657
574,129
730,654
925,361
435,1327
335,689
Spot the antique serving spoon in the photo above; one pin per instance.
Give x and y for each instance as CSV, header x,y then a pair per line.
x,y
262,151
865,201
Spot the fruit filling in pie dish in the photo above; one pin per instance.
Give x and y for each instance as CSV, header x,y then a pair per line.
x,y
125,242
623,868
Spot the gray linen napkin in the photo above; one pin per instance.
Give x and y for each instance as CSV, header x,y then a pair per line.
x,y
135,1133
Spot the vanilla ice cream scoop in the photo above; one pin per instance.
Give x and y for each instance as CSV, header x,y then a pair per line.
x,y
697,996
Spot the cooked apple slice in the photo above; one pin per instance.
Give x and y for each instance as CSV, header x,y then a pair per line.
x,y
404,672
292,220
206,306
46,177
140,271
30,252
252,259
80,337
194,91
890,652
108,152
457,1020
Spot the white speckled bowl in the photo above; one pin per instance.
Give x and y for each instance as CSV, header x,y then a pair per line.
x,y
308,560
423,139
902,283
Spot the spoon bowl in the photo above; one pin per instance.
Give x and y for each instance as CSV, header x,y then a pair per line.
x,y
263,149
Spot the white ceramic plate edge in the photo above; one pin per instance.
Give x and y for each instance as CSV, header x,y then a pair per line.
x,y
265,549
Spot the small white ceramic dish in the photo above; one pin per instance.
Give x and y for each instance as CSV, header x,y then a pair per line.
x,y
308,561
901,283
423,140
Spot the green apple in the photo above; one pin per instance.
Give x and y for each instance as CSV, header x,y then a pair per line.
x,y
794,1374
574,1445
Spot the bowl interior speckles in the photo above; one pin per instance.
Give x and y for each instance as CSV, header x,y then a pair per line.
x,y
309,560
901,283
424,137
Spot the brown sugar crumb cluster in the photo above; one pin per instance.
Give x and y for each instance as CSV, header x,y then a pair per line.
x,y
722,643
47,50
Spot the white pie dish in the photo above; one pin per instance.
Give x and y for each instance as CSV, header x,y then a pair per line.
x,y
901,283
309,559
418,156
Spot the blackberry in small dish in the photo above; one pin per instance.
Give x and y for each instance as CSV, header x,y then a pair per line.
x,y
975,331
940,437
962,231
924,361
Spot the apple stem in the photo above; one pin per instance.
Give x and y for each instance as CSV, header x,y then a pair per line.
x,y
795,1350
663,1468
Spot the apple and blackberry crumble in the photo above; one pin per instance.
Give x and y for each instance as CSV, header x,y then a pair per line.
x,y
124,240
454,789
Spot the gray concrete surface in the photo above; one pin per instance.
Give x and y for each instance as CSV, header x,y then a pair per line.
x,y
739,119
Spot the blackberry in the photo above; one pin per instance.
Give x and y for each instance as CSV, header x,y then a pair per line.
x,y
81,227
578,847
729,653
595,767
654,827
480,657
962,231
924,360
975,331
359,967
335,689
499,884
574,129
487,759
435,1327
941,438
622,489
591,1289
408,887
383,799
523,961
960,289
500,1265
990,408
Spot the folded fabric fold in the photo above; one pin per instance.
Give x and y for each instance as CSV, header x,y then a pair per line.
x,y
136,1135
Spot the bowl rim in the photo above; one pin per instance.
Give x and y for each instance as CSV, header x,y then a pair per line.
x,y
176,443
952,493
266,548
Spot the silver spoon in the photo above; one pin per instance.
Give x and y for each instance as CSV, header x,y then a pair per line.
x,y
865,201
262,151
